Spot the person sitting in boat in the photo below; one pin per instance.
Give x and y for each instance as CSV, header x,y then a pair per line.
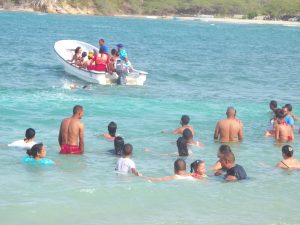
x,y
124,57
112,66
83,60
101,60
90,64
76,57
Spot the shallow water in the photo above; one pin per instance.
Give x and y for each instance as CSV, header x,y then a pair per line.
x,y
194,68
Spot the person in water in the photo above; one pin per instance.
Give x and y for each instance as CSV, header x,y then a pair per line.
x,y
198,169
119,145
112,129
125,164
283,131
36,156
289,116
223,149
184,121
229,129
179,170
189,137
273,106
182,147
288,162
233,171
71,130
27,142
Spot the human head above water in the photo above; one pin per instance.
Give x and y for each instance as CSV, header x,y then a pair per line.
x,y
195,165
223,149
128,149
185,119
279,113
182,147
35,150
288,107
273,105
287,151
112,128
187,134
179,165
231,112
227,160
29,134
119,145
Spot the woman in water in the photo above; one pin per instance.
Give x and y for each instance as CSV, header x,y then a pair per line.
x,y
27,142
288,162
119,145
112,129
36,156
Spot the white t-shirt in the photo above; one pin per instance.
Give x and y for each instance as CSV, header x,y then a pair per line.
x,y
22,144
124,165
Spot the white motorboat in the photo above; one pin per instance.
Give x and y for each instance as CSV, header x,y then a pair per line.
x,y
64,50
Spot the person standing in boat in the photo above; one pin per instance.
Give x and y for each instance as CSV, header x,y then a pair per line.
x,y
101,60
124,57
102,45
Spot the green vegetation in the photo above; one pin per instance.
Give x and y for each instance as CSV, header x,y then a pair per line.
x,y
273,9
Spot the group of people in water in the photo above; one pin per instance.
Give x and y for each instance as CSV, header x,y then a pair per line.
x,y
228,130
117,61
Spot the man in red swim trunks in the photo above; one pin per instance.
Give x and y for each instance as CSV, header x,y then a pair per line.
x,y
71,129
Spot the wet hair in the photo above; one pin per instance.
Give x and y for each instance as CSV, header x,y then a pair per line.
x,y
273,103
182,147
29,134
230,110
77,49
77,109
224,148
279,114
127,149
185,119
179,164
187,134
35,149
287,150
288,107
228,157
195,164
112,128
119,145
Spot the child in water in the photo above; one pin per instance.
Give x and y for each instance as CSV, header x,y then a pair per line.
x,y
27,142
119,145
112,129
288,162
36,156
198,169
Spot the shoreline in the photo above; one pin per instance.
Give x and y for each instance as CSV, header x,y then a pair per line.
x,y
210,19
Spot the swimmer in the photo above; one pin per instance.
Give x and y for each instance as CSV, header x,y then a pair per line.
x,y
75,86
187,134
119,145
125,164
234,171
27,142
36,156
198,169
185,119
112,128
273,106
229,129
283,131
288,162
179,170
71,133
217,166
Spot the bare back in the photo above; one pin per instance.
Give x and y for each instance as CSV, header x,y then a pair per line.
x,y
71,130
229,130
284,133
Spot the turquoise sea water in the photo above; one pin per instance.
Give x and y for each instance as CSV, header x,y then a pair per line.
x,y
195,68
